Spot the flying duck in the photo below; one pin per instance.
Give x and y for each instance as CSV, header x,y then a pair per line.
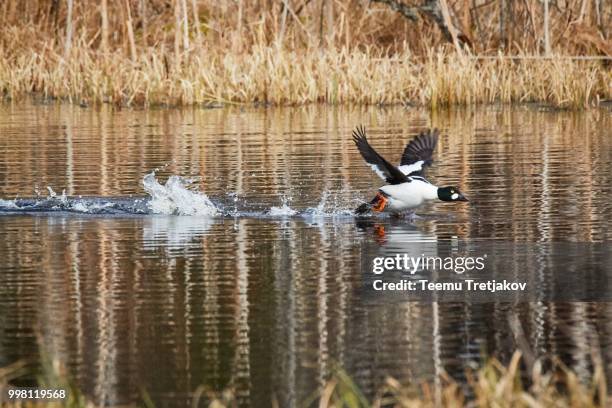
x,y
406,187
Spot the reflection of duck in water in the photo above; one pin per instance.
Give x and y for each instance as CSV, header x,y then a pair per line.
x,y
406,188
392,230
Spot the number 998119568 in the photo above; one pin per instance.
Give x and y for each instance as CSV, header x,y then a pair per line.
x,y
35,394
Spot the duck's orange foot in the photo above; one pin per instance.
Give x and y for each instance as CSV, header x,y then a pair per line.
x,y
379,202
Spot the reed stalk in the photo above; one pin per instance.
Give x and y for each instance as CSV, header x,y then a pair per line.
x,y
104,25
130,31
185,24
68,43
546,29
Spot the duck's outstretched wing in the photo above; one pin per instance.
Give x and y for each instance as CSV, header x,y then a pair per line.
x,y
418,153
382,167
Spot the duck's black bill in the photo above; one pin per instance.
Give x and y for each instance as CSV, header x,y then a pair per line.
x,y
462,198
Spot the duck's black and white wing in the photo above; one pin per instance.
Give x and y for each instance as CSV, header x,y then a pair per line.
x,y
382,167
418,154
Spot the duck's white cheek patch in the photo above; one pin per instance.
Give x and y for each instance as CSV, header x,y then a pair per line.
x,y
455,196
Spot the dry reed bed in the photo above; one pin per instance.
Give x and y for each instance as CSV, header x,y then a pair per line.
x,y
278,76
185,52
493,385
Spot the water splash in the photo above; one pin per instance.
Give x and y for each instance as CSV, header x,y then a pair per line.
x,y
339,204
172,198
8,204
284,210
79,205
175,197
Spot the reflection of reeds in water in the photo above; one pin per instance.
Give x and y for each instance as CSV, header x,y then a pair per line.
x,y
216,332
218,337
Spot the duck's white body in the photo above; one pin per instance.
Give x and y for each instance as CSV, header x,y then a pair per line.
x,y
407,196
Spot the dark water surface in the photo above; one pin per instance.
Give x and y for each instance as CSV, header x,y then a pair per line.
x,y
262,290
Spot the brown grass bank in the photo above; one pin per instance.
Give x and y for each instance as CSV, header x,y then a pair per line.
x,y
185,52
283,77
494,385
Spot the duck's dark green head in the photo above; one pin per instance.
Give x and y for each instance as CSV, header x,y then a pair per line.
x,y
450,194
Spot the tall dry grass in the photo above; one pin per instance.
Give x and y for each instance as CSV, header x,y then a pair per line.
x,y
493,385
184,52
279,76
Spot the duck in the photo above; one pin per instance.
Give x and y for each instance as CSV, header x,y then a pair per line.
x,y
406,188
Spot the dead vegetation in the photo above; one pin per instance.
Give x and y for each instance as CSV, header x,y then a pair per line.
x,y
493,385
183,52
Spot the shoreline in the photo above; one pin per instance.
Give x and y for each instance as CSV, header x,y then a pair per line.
x,y
520,381
38,98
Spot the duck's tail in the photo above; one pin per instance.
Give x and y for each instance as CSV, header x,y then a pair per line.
x,y
378,204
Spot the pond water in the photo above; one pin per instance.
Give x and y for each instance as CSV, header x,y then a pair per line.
x,y
164,250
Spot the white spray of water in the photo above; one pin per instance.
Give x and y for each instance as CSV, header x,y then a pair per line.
x,y
52,194
175,197
83,206
284,210
319,210
331,205
8,204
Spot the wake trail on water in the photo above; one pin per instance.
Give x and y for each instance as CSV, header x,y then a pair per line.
x,y
177,196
